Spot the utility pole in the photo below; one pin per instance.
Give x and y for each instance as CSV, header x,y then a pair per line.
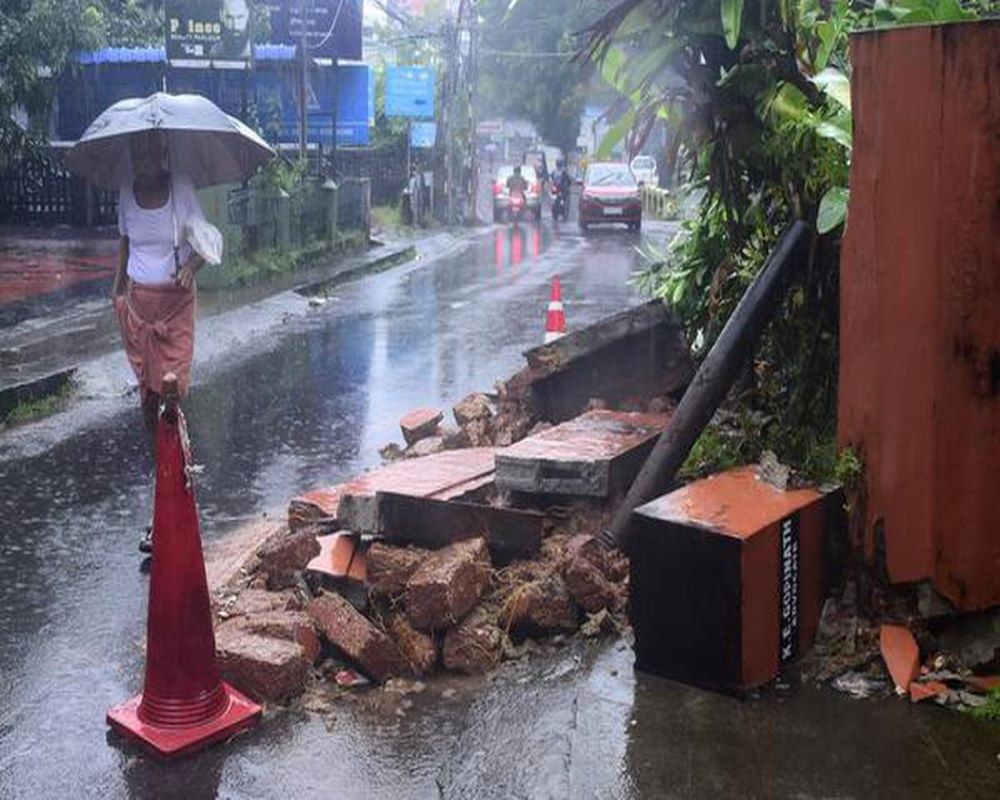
x,y
451,45
303,103
336,98
459,62
472,81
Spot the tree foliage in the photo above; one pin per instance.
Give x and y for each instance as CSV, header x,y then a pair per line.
x,y
37,41
757,97
131,23
521,74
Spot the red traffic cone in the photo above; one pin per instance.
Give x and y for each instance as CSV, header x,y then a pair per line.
x,y
555,322
184,704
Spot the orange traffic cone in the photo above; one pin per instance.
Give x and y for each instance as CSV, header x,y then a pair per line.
x,y
555,322
184,704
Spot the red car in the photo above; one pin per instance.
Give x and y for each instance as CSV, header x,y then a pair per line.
x,y
610,194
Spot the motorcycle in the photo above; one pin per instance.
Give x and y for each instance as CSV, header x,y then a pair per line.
x,y
560,208
517,204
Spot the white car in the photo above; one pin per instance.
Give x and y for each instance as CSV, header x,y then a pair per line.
x,y
644,170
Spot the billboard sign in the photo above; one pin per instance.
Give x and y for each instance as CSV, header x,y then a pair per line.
x,y
409,92
423,134
493,127
202,33
332,27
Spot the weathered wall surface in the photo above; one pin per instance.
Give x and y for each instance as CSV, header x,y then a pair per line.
x,y
920,302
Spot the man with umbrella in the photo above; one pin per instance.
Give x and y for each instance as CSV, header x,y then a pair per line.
x,y
156,151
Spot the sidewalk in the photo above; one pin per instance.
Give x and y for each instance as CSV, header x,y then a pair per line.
x,y
39,275
40,353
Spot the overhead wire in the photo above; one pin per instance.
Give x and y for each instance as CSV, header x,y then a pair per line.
x,y
526,54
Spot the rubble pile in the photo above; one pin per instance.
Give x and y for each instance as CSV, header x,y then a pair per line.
x,y
420,610
481,420
432,564
476,540
908,648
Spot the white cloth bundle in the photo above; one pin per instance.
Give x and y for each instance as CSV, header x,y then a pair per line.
x,y
205,239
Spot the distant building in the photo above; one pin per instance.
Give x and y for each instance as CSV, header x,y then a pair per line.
x,y
505,141
266,97
593,127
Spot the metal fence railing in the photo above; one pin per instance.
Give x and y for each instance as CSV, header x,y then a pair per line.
x,y
272,219
40,191
659,203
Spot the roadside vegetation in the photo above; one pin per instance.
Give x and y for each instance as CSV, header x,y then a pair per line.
x,y
259,267
756,95
34,410
991,709
387,218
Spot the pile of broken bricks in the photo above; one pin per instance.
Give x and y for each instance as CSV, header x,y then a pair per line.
x,y
931,658
477,542
438,578
472,542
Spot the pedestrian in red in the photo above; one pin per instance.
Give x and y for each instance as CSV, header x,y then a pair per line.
x,y
154,291
155,151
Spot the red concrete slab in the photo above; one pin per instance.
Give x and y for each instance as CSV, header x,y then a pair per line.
x,y
420,423
442,476
594,454
924,691
318,507
901,655
340,557
725,583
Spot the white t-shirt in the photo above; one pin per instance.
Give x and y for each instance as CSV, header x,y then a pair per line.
x,y
150,231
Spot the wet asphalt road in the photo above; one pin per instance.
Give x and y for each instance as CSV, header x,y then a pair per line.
x,y
310,405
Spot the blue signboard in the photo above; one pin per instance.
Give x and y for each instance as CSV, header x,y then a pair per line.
x,y
409,92
332,27
278,108
353,104
371,97
423,134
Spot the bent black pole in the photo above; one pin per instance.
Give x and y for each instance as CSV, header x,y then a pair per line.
x,y
714,378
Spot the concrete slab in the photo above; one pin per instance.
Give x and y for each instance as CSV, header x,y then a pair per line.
x,y
316,508
429,522
594,455
352,505
639,352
